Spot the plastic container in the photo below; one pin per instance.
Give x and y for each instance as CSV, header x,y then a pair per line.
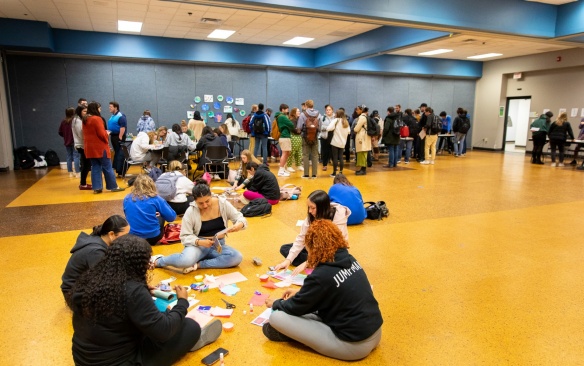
x,y
63,165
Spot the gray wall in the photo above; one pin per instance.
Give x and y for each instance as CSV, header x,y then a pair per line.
x,y
42,87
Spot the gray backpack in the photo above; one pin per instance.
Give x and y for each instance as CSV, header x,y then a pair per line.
x,y
166,185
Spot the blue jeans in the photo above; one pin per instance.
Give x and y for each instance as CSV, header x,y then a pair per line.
x,y
394,155
261,142
205,257
408,144
458,142
97,166
72,158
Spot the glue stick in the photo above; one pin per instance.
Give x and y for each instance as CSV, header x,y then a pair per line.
x,y
251,308
221,358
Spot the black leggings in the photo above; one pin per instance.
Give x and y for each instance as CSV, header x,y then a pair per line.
x,y
559,144
337,154
325,151
155,239
301,258
156,354
85,166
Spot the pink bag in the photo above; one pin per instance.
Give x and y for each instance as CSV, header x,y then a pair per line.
x,y
207,177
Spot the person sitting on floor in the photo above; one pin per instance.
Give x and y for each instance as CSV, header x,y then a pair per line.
x,y
319,207
208,215
335,312
346,194
241,175
115,321
90,249
146,211
184,188
262,184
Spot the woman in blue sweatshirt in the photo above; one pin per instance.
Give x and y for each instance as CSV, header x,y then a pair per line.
x,y
146,211
334,312
346,194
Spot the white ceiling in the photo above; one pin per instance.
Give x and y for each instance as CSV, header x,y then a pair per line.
x,y
172,19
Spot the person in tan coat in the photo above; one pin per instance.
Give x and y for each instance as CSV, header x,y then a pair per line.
x,y
362,140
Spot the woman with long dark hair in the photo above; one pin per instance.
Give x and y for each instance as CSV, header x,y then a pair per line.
x,y
96,146
66,132
77,128
115,321
319,207
334,312
207,216
90,249
345,193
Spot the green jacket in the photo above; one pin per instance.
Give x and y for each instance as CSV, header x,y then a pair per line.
x,y
284,125
541,123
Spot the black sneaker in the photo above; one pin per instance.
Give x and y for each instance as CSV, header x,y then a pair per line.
x,y
273,335
305,176
574,162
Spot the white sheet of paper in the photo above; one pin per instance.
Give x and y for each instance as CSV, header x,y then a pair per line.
x,y
217,311
299,222
202,319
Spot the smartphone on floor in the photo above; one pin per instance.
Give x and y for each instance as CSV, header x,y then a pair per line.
x,y
214,356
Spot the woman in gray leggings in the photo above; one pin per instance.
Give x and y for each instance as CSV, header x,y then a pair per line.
x,y
334,312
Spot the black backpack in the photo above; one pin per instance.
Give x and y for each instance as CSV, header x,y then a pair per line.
x,y
435,125
372,127
465,125
258,125
52,158
257,207
23,159
397,125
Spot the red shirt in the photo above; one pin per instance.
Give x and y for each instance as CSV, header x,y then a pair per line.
x,y
95,138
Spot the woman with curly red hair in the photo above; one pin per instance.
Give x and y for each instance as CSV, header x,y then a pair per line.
x,y
334,312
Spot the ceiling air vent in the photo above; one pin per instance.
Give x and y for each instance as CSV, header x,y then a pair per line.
x,y
211,21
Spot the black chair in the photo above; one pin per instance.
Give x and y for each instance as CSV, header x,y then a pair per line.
x,y
128,161
217,156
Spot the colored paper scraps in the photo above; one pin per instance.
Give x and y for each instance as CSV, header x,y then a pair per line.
x,y
263,318
269,284
220,312
224,280
201,318
258,300
230,290
287,276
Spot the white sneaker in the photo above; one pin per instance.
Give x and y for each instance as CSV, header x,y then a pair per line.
x,y
553,164
283,173
561,164
407,162
71,175
425,162
301,168
154,259
290,169
399,162
77,175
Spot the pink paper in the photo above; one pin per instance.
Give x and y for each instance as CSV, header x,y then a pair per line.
x,y
269,284
258,300
227,279
308,270
202,319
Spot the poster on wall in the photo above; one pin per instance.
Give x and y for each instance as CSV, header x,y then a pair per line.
x,y
562,110
228,109
582,113
239,101
190,114
501,111
208,98
574,112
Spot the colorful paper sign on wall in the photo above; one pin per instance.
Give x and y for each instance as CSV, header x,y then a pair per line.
x,y
220,98
197,100
208,98
227,109
239,101
218,117
205,107
242,112
190,114
216,105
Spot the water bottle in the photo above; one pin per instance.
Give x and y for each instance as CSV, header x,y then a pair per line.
x,y
294,197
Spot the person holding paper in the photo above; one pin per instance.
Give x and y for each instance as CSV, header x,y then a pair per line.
x,y
115,321
334,312
203,231
319,207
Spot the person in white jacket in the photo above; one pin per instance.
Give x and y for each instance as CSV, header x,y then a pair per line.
x,y
143,149
184,188
233,127
319,207
341,129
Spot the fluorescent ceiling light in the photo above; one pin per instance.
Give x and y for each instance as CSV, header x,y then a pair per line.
x,y
486,55
125,26
297,41
221,34
435,52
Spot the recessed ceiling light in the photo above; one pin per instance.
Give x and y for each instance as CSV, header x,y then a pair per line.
x,y
221,34
435,52
297,41
486,55
125,26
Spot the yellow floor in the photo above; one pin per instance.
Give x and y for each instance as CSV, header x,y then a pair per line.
x,y
480,263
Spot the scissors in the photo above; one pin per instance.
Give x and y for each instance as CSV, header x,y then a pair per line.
x,y
228,305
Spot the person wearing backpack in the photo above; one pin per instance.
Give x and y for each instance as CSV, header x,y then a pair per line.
x,y
460,127
309,123
433,128
362,139
179,191
206,217
390,136
146,211
408,133
260,130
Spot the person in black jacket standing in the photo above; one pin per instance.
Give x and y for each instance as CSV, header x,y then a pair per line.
x,y
115,321
559,130
334,312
